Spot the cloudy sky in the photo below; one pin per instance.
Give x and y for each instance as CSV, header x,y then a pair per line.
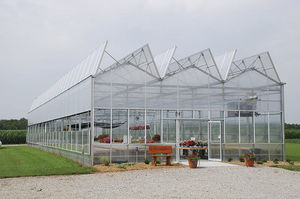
x,y
42,40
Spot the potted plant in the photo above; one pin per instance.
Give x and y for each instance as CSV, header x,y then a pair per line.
x,y
101,137
249,159
156,138
193,160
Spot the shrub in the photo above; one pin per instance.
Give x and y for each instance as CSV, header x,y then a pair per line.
x,y
288,160
157,162
291,162
242,159
229,159
263,160
122,166
146,161
275,160
105,161
292,134
13,136
129,164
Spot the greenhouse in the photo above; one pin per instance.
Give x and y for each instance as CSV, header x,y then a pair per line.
x,y
214,106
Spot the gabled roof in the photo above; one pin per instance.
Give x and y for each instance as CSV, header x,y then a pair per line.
x,y
203,61
162,67
84,69
141,59
163,61
224,62
261,63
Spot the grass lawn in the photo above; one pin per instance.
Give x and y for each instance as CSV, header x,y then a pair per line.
x,y
292,149
16,161
288,167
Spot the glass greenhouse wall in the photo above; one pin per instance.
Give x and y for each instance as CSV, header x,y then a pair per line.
x,y
225,107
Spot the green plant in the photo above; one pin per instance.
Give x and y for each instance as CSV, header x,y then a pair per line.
x,y
13,136
289,167
275,160
193,157
288,160
292,134
291,162
263,160
229,159
105,161
122,166
242,159
250,156
157,162
156,138
129,164
146,161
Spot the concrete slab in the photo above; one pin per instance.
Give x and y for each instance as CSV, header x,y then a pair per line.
x,y
209,163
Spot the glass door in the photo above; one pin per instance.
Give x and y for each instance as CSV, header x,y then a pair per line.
x,y
214,140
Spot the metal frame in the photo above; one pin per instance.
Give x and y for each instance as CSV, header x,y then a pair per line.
x,y
209,94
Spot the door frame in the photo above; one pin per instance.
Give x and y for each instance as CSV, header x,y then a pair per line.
x,y
209,137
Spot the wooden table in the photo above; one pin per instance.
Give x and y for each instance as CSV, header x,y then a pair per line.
x,y
193,148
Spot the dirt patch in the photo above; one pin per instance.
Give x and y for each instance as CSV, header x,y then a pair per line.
x,y
267,164
101,168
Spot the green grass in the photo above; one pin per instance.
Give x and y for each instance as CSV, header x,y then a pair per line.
x,y
288,167
292,149
17,161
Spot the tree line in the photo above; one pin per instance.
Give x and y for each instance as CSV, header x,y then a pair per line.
x,y
14,124
291,126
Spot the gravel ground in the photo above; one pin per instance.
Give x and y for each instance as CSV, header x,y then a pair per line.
x,y
213,182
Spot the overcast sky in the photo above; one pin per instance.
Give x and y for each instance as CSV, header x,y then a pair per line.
x,y
42,40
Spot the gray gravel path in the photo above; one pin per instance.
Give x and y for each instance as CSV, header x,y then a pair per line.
x,y
213,182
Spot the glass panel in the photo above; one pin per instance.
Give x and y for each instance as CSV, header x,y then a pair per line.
x,y
137,126
169,114
246,122
119,126
186,114
86,141
231,151
189,130
275,128
69,139
215,140
261,151
169,129
276,151
154,126
79,141
73,145
261,128
232,129
102,126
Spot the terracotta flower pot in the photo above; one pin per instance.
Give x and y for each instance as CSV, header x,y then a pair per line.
x,y
249,163
193,164
101,140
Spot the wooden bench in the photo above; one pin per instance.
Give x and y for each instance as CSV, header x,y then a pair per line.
x,y
161,149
